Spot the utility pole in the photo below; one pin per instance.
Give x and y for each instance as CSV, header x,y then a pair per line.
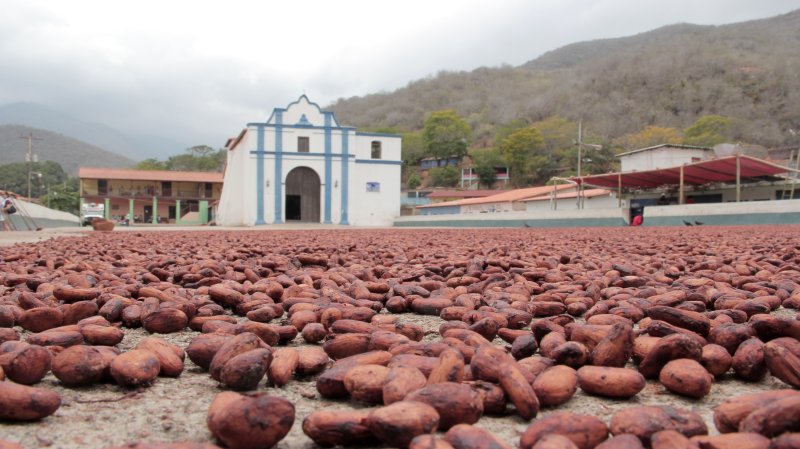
x,y
580,143
580,157
580,126
29,158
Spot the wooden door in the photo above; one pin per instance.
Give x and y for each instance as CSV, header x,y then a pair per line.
x,y
304,183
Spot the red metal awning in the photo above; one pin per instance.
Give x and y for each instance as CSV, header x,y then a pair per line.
x,y
698,173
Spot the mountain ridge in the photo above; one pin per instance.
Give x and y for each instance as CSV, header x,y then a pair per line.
x,y
669,77
36,115
69,152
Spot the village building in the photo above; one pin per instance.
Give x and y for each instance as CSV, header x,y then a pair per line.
x,y
663,156
666,185
149,196
302,165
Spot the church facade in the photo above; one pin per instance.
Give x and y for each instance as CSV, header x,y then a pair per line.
x,y
302,166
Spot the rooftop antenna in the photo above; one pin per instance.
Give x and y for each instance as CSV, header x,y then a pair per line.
x,y
30,158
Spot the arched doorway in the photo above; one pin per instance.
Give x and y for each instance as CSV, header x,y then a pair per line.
x,y
302,195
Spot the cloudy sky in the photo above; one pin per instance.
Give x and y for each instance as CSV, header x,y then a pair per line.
x,y
196,72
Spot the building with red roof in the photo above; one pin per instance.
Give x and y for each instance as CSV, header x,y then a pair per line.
x,y
149,196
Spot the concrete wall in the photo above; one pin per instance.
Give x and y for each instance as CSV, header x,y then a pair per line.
x,y
504,206
597,202
439,210
537,219
760,212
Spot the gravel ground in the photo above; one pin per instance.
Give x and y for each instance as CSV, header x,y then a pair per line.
x,y
175,409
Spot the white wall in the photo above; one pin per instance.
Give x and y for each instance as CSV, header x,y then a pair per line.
x,y
663,157
239,194
231,209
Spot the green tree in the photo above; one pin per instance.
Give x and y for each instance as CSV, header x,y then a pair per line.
x,y
198,158
14,177
650,136
63,196
486,159
523,153
413,148
151,164
444,176
503,131
413,181
445,135
708,131
557,133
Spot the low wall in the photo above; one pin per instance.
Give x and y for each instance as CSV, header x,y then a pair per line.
x,y
27,225
744,213
540,219
30,216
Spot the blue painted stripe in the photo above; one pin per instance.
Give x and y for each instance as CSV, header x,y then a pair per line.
x,y
345,176
333,155
278,181
260,175
306,127
378,134
328,169
378,161
278,111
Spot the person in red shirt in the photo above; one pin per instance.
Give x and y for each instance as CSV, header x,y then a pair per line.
x,y
637,221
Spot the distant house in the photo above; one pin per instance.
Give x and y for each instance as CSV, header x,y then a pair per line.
x,y
505,201
470,178
430,162
151,196
663,156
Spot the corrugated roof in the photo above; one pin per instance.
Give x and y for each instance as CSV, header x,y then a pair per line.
x,y
589,193
504,197
148,175
671,145
698,173
462,193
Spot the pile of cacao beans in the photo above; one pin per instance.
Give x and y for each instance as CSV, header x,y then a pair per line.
x,y
527,319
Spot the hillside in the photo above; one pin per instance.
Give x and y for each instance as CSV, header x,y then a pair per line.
x,y
70,153
666,77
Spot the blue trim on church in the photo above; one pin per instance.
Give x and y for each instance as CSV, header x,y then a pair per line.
x,y
345,175
378,161
278,181
333,155
328,168
359,133
260,175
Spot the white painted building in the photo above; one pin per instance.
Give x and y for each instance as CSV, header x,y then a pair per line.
x,y
301,165
662,156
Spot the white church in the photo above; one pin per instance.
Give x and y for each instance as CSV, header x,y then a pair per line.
x,y
302,166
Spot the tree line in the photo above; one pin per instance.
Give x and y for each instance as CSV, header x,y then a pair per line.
x,y
534,152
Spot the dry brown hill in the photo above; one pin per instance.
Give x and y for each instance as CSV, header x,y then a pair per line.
x,y
667,77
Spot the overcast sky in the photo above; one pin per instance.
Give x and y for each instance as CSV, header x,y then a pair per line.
x,y
196,71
